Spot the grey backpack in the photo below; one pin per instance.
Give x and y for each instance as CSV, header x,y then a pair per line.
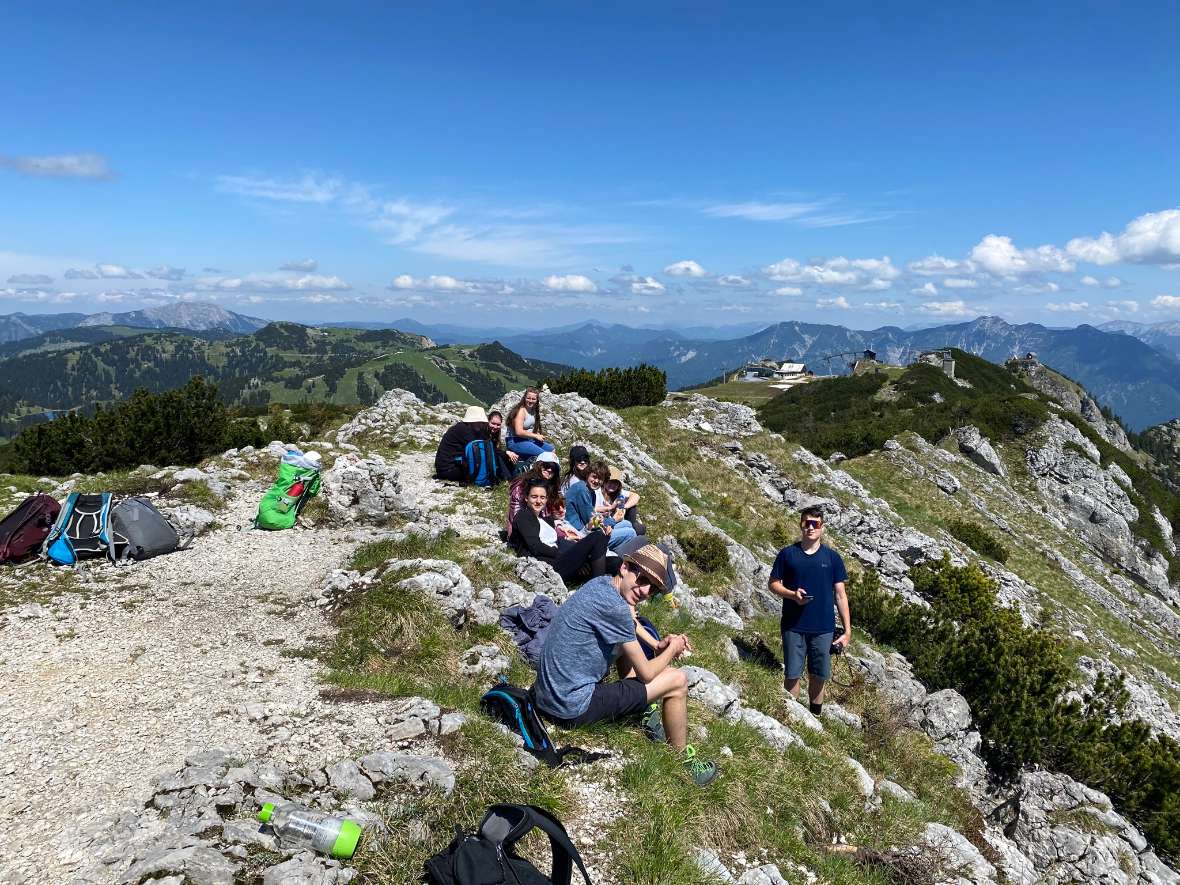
x,y
140,531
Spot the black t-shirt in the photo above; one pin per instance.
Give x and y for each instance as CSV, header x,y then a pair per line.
x,y
450,448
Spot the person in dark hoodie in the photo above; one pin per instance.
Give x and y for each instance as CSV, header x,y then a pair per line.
x,y
448,461
533,534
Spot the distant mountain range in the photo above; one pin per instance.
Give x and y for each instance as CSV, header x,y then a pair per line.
x,y
190,316
66,369
1133,368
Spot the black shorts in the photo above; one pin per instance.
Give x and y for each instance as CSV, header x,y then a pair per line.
x,y
611,700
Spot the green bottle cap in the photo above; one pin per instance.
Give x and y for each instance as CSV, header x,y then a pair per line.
x,y
267,810
345,844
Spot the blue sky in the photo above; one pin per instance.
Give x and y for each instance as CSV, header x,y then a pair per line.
x,y
537,163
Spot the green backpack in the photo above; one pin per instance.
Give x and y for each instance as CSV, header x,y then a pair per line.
x,y
282,502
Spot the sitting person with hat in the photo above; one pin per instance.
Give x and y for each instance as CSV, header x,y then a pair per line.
x,y
448,460
534,534
590,627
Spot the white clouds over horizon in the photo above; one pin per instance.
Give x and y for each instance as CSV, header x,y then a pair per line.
x,y
998,255
572,282
685,269
83,165
1152,238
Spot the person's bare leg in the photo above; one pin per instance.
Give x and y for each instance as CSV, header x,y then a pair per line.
x,y
792,686
815,688
671,687
625,670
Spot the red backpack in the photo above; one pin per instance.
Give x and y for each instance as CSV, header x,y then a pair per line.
x,y
23,531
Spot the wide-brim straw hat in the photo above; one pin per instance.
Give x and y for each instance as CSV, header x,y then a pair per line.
x,y
653,562
475,415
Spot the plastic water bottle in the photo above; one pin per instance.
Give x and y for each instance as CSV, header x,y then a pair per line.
x,y
299,827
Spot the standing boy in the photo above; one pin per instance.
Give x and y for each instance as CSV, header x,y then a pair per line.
x,y
810,578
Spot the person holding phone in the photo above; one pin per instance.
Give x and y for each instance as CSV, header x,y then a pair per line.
x,y
810,578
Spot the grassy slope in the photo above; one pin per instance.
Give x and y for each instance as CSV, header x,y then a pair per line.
x,y
765,801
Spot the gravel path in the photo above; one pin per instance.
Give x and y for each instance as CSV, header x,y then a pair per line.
x,y
177,654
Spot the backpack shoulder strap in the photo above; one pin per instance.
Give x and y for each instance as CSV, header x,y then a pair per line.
x,y
565,855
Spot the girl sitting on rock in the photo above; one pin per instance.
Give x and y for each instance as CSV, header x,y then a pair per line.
x,y
547,469
524,426
534,534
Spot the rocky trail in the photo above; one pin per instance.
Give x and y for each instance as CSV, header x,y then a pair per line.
x,y
164,658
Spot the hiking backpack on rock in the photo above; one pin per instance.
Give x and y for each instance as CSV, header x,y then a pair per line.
x,y
513,706
295,486
140,531
81,530
23,532
488,856
481,465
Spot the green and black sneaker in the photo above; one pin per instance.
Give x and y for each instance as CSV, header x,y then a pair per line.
x,y
653,724
703,773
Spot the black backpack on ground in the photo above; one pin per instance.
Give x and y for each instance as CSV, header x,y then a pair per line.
x,y
24,530
513,706
488,856
140,531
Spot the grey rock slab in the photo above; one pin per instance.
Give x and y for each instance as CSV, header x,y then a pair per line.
x,y
958,853
767,874
200,865
946,714
388,765
306,868
979,450
345,777
710,864
247,832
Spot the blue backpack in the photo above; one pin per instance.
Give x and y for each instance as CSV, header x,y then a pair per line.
x,y
481,466
82,530
513,706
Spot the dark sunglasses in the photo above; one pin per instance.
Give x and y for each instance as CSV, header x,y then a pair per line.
x,y
813,524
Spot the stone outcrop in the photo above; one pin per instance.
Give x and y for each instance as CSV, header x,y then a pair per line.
x,y
365,489
715,417
976,447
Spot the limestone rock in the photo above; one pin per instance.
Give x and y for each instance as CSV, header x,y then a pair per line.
x,y
959,854
198,864
767,874
710,864
388,765
482,661
540,577
306,868
946,714
345,777
365,489
979,450
188,519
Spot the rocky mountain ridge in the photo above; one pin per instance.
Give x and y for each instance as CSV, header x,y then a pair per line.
x,y
700,465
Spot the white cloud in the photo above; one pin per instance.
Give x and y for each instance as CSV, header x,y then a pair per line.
x,y
646,286
754,211
323,298
959,283
570,282
102,272
1108,283
306,265
311,187
1089,281
685,268
788,290
30,279
837,303
165,272
270,282
1112,282
733,281
1123,306
882,305
37,295
870,273
1068,306
925,289
936,265
1153,238
85,165
402,281
1168,302
945,308
999,256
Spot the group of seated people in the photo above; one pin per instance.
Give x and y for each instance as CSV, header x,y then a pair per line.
x,y
576,525
587,525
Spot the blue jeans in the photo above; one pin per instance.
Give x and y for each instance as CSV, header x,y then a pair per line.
x,y
815,647
621,532
526,448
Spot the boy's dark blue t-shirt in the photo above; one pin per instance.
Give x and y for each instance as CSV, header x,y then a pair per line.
x,y
818,574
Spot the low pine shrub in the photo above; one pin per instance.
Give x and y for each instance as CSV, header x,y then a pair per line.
x,y
978,539
706,551
641,385
1015,678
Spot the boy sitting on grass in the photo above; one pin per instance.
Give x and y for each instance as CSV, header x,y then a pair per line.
x,y
598,619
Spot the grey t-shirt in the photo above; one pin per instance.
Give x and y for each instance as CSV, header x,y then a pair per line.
x,y
579,646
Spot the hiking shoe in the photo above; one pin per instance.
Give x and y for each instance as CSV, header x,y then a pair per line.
x,y
653,725
703,773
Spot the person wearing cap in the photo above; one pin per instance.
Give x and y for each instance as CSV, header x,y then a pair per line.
x,y
620,501
448,460
590,628
810,577
546,468
579,467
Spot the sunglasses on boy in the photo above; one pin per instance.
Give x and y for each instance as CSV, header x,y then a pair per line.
x,y
813,523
